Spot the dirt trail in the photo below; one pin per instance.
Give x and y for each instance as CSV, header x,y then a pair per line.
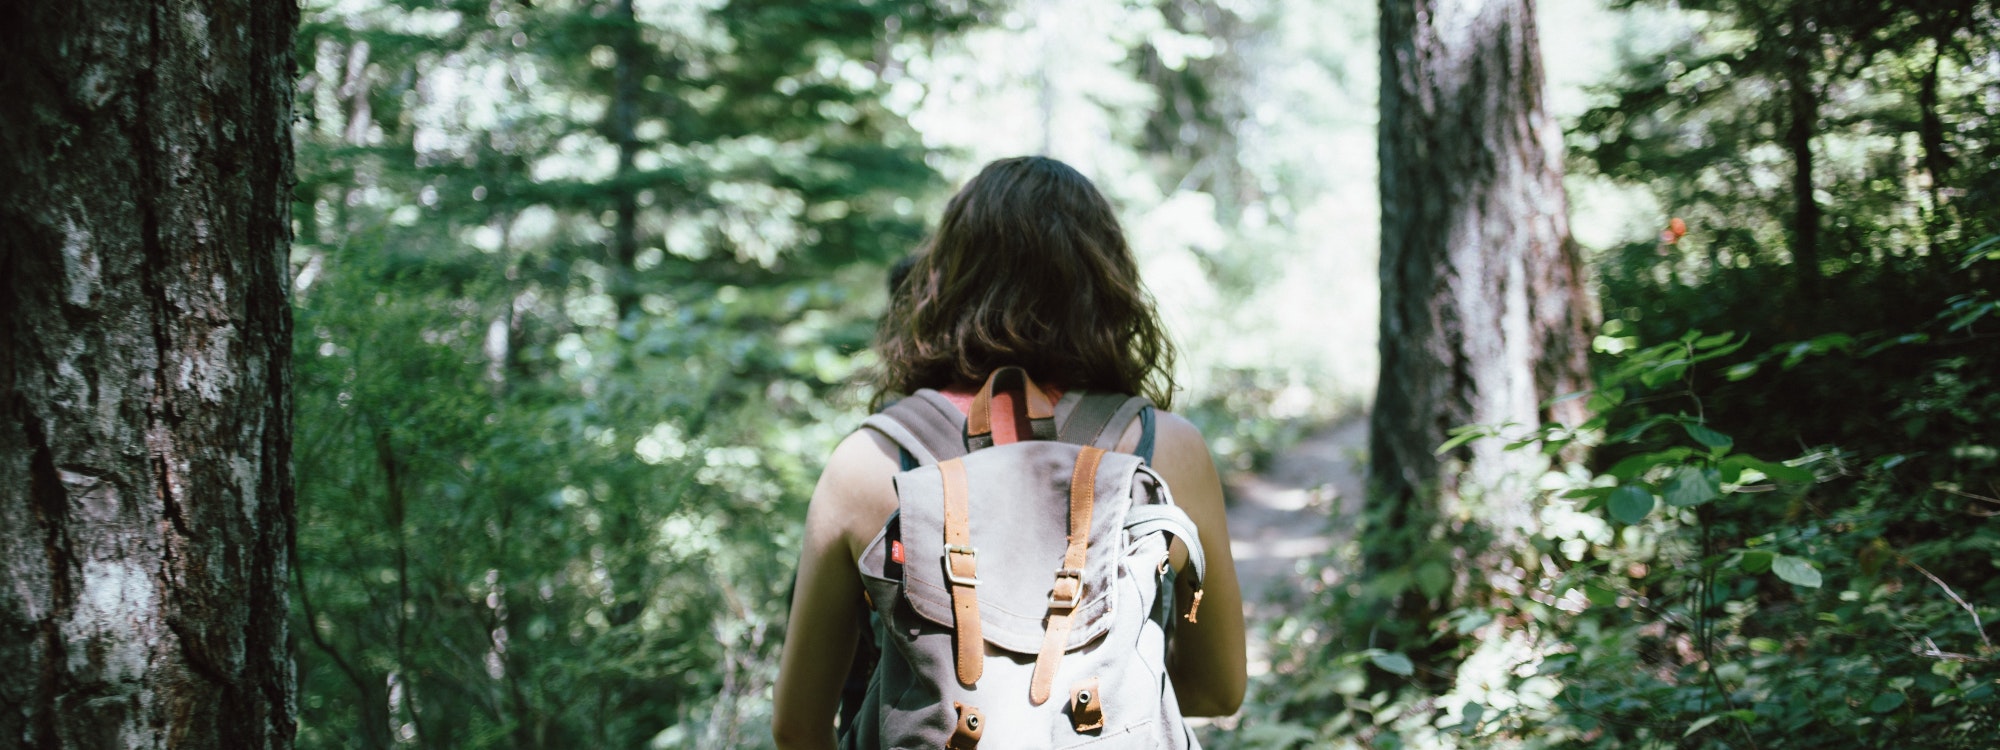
x,y
1299,507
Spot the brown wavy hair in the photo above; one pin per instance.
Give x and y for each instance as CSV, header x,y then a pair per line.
x,y
1028,267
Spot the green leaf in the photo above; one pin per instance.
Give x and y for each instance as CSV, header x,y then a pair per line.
x,y
1630,504
1708,437
1637,430
1631,467
1987,249
1461,436
1600,595
1742,714
1886,702
1605,399
1715,340
1473,620
1723,351
1755,563
1565,397
1433,577
1832,342
1740,371
1693,485
1555,665
1797,570
1796,354
1596,494
1907,338
1473,713
1783,473
1663,374
1393,663
1701,723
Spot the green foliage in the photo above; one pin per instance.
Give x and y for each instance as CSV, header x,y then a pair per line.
x,y
1719,101
1795,609
578,294
1783,536
1689,594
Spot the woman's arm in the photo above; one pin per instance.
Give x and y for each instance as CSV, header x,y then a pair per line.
x,y
826,604
1207,658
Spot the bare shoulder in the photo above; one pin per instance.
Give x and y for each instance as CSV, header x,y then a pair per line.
x,y
1173,432
1179,450
856,492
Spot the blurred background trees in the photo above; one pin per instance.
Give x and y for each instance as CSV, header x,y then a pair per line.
x,y
580,286
577,284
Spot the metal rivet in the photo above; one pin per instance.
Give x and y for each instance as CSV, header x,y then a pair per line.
x,y
1083,698
972,723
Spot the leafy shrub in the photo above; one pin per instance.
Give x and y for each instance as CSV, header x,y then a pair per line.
x,y
1683,591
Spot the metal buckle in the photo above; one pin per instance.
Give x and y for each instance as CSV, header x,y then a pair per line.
x,y
1071,602
951,574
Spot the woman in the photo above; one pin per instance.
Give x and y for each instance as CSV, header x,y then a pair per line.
x,y
1028,268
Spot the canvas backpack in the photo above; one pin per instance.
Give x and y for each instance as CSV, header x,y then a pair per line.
x,y
1021,594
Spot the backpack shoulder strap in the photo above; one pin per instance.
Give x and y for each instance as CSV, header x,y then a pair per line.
x,y
930,429
1161,514
1100,419
925,425
1144,519
1088,415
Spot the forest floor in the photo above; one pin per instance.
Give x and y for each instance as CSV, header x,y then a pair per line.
x,y
1303,504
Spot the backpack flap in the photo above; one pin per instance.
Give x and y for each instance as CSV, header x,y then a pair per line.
x,y
1019,527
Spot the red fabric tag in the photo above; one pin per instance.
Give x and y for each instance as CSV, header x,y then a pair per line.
x,y
896,551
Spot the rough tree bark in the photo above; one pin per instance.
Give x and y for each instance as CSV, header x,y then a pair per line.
x,y
1484,312
145,417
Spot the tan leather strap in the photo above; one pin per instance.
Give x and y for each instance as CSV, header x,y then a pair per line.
x,y
1068,591
1086,706
961,568
979,420
966,731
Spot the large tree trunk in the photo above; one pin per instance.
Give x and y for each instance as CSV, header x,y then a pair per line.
x,y
1484,313
145,417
